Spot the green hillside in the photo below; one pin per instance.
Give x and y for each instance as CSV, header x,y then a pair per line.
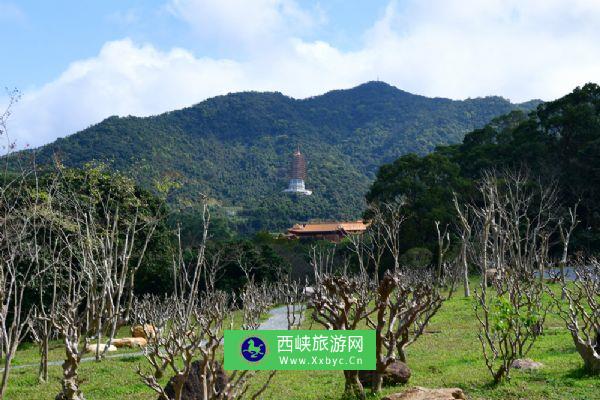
x,y
557,145
236,148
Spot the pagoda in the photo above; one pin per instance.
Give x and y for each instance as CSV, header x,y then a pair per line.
x,y
297,175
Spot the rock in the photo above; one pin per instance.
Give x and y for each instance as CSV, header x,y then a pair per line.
x,y
526,364
420,393
130,342
91,348
192,388
309,291
396,373
492,275
139,331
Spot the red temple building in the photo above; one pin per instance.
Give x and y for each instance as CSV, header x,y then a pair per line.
x,y
332,231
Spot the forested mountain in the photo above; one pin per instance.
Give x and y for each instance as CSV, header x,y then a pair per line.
x,y
236,148
557,145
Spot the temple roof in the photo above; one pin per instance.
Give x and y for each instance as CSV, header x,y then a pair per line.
x,y
353,226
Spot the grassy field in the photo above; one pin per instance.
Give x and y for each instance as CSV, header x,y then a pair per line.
x,y
448,357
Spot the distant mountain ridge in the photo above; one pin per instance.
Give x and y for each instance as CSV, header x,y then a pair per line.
x,y
236,147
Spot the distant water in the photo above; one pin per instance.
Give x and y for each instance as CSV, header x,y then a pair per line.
x,y
569,273
554,272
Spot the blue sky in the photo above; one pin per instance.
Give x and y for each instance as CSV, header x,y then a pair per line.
x,y
46,36
78,62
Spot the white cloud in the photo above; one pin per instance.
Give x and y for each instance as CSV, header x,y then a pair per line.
x,y
459,48
124,79
250,24
451,48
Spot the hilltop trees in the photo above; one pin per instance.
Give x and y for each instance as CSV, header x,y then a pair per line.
x,y
235,148
556,143
426,184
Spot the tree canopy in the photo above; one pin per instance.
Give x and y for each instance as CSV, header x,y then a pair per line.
x,y
558,143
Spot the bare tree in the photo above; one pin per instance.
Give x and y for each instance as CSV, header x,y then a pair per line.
x,y
565,237
405,303
48,264
580,309
187,276
178,330
90,254
154,314
464,231
294,296
108,244
149,228
510,321
443,242
13,247
214,269
255,299
388,219
42,330
199,336
340,303
404,300
322,261
190,325
510,228
185,337
14,96
20,249
69,320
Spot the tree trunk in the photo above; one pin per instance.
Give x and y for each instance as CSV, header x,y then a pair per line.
x,y
466,285
43,371
5,374
178,383
70,381
159,372
466,272
377,377
377,382
10,351
591,358
500,374
129,305
401,353
353,387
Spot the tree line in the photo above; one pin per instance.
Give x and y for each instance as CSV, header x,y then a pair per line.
x,y
557,144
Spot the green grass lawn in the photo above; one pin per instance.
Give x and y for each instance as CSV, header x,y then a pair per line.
x,y
448,357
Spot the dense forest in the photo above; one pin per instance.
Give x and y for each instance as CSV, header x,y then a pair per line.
x,y
236,148
557,145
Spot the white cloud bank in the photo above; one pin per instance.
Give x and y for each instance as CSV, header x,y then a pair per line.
x,y
452,48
